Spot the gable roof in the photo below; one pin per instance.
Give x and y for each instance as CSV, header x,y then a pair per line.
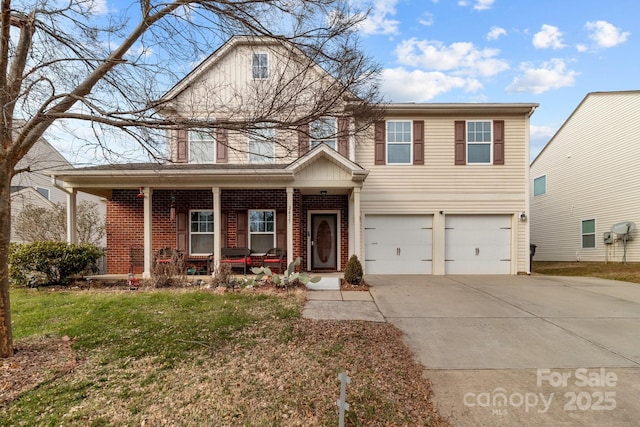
x,y
575,111
322,151
222,51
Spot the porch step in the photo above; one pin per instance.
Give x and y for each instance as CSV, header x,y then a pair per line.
x,y
325,284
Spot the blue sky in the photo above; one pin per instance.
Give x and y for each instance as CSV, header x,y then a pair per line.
x,y
548,52
537,51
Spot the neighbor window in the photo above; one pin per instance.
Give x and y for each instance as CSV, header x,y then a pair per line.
x,y
260,66
324,131
540,185
589,233
262,146
201,233
262,230
479,142
202,146
399,142
44,191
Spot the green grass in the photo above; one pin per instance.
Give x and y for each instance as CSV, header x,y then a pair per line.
x,y
629,272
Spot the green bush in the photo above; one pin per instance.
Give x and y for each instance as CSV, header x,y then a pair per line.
x,y
53,263
353,271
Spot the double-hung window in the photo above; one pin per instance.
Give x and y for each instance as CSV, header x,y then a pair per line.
x,y
202,146
262,230
201,232
479,138
262,146
399,142
260,66
589,233
324,131
540,185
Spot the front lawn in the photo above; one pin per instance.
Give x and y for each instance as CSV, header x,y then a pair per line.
x,y
193,358
629,272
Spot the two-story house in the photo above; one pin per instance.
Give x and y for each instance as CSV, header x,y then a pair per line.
x,y
428,189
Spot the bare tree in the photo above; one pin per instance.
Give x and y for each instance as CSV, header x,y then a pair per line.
x,y
62,60
38,223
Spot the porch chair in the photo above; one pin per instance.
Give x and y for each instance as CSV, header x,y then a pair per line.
x,y
274,259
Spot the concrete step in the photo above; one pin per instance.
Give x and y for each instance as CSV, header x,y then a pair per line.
x,y
325,284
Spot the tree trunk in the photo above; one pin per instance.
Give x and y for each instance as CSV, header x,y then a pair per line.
x,y
6,336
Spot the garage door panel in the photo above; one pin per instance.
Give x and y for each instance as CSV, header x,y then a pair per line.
x,y
478,244
398,244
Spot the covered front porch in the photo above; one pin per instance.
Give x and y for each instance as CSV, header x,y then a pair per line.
x,y
309,209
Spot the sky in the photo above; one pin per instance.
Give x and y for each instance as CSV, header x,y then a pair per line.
x,y
548,52
539,51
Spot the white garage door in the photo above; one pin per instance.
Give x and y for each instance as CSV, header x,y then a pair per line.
x,y
478,244
397,244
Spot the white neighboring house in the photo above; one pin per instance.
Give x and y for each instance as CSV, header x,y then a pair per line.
x,y
585,180
35,187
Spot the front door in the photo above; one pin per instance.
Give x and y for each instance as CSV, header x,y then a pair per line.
x,y
324,241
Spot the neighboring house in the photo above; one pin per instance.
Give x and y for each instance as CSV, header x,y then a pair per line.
x,y
585,180
33,186
431,189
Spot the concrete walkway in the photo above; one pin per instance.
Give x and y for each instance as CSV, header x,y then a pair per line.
x,y
516,351
341,305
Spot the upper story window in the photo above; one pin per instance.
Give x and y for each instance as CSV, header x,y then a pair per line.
x,y
202,146
479,139
262,230
44,191
262,145
324,131
201,232
399,142
260,66
589,233
540,185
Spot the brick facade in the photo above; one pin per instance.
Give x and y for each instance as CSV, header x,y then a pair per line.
x,y
125,219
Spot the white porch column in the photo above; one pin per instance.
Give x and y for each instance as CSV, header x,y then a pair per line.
x,y
217,226
289,225
148,192
72,217
357,236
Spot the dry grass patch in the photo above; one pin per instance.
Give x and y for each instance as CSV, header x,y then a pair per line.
x,y
276,369
629,272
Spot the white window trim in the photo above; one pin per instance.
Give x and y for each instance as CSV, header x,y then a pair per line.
x,y
258,159
595,240
314,142
466,137
212,141
545,185
199,232
253,67
262,232
387,143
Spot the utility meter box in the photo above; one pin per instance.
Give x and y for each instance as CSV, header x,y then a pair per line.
x,y
607,237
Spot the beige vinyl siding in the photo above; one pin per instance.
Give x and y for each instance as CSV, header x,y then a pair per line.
x,y
592,172
440,185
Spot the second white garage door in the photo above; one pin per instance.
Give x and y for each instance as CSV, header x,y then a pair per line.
x,y
398,244
478,244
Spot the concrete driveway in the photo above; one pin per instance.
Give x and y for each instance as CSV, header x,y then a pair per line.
x,y
523,350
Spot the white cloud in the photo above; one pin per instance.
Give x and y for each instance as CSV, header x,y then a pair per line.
x,y
98,7
542,132
496,33
581,48
606,34
401,85
483,4
461,57
548,37
378,22
551,75
426,19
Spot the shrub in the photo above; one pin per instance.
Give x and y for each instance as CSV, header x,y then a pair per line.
x,y
54,262
353,271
